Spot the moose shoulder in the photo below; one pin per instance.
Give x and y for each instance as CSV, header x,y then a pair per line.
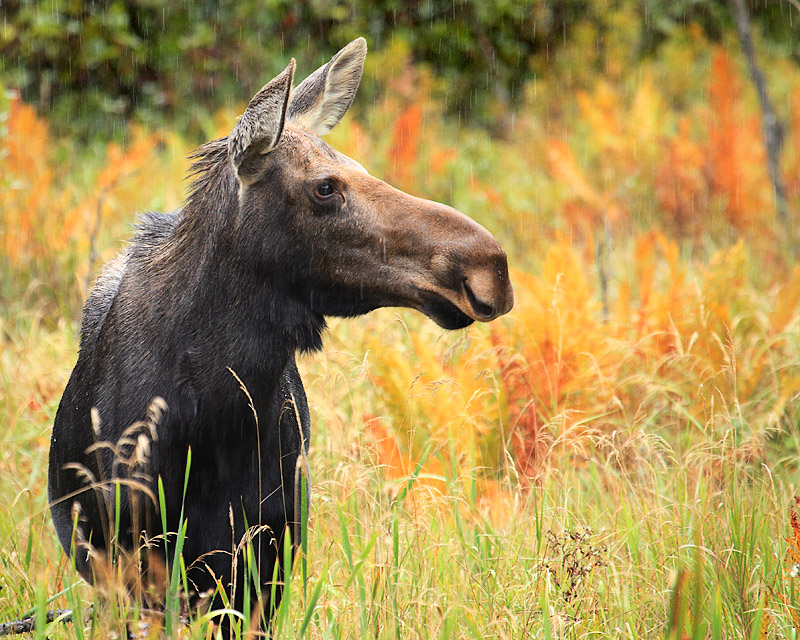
x,y
279,231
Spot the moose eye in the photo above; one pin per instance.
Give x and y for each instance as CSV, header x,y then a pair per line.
x,y
325,189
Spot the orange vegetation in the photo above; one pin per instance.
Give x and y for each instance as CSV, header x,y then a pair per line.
x,y
630,172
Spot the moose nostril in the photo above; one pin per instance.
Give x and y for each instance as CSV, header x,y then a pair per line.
x,y
478,306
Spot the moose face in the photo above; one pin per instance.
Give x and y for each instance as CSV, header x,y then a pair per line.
x,y
352,242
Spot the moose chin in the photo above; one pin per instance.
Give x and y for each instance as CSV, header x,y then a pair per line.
x,y
205,311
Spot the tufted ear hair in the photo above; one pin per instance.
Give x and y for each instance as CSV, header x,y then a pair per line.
x,y
321,100
259,128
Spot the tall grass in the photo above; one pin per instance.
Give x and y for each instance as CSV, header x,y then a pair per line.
x,y
630,536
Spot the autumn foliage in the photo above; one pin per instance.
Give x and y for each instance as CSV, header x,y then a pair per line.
x,y
614,324
673,341
50,220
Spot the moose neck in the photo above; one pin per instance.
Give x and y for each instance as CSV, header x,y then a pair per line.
x,y
225,303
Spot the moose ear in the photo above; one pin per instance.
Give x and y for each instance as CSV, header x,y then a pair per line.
x,y
321,100
259,128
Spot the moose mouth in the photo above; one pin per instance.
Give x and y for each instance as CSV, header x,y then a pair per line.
x,y
443,312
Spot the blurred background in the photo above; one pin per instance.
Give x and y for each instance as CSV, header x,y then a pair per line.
x,y
640,162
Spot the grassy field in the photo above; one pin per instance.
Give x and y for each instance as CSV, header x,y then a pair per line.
x,y
616,458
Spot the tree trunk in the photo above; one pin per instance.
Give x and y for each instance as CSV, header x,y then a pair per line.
x,y
770,125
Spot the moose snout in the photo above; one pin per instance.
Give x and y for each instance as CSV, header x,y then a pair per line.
x,y
488,292
462,275
474,270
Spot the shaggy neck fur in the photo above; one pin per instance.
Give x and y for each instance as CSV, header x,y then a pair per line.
x,y
215,270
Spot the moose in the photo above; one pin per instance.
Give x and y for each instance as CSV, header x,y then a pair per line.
x,y
205,310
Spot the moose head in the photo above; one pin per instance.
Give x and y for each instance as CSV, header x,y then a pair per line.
x,y
353,242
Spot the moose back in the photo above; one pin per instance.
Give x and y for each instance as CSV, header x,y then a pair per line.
x,y
200,318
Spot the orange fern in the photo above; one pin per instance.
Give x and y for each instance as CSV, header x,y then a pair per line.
x,y
736,148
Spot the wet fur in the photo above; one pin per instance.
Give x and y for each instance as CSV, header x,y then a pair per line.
x,y
167,318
